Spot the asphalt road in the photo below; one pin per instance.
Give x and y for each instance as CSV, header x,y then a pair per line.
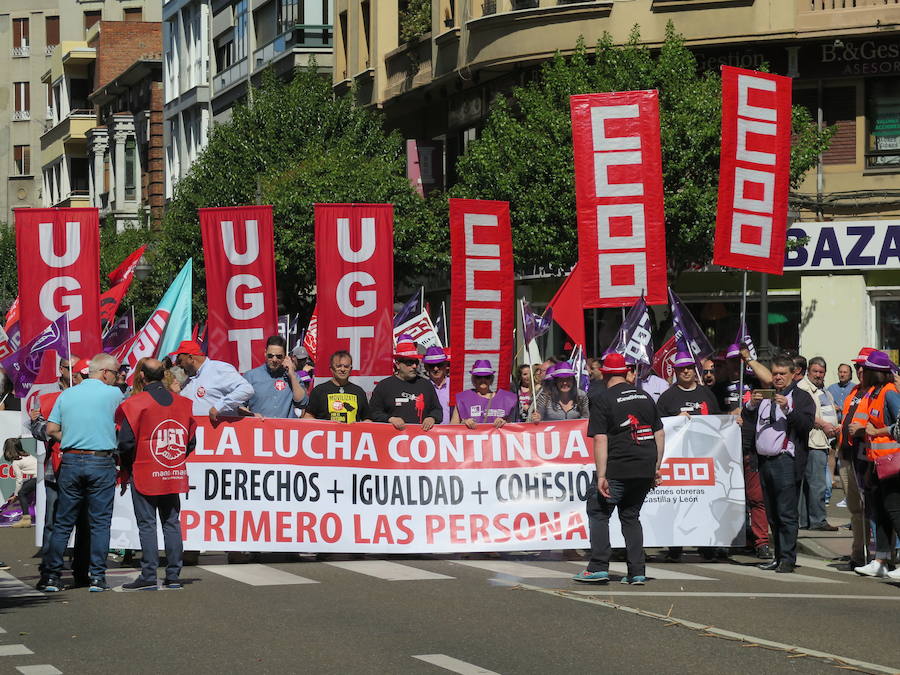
x,y
439,615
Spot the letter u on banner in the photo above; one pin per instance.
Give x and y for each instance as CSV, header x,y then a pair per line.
x,y
619,198
59,273
754,171
239,249
355,287
482,288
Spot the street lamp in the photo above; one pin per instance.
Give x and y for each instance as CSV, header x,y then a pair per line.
x,y
143,268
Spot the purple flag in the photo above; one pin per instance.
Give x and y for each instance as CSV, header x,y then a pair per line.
x,y
743,338
535,325
22,366
635,337
119,333
412,307
688,335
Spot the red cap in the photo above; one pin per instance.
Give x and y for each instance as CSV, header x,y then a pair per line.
x,y
188,347
406,349
82,367
614,364
863,355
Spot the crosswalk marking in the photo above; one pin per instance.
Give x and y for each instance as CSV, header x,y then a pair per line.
x,y
384,569
753,571
14,650
514,569
44,669
453,665
655,572
257,575
10,587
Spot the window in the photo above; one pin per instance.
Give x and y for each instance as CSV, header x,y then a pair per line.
x,y
289,14
22,159
342,21
224,55
133,14
240,31
130,161
365,9
52,27
91,17
883,119
22,111
21,43
838,109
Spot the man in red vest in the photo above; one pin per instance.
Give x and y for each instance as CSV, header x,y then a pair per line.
x,y
156,434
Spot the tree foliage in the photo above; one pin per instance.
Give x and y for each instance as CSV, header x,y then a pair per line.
x,y
415,19
524,154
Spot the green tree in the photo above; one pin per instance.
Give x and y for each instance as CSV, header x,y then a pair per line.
x,y
415,19
524,154
294,146
9,283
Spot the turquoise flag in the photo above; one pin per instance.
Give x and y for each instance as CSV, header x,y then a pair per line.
x,y
177,302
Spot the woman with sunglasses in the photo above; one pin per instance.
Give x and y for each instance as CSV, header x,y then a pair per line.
x,y
481,405
560,398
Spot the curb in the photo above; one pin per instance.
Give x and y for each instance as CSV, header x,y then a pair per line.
x,y
813,548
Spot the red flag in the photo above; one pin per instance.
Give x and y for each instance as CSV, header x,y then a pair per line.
x,y
46,381
110,301
125,270
482,288
62,247
355,287
754,171
568,310
310,340
664,359
239,245
619,198
12,315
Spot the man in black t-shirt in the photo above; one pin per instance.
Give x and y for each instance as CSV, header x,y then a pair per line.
x,y
406,397
338,400
686,397
628,449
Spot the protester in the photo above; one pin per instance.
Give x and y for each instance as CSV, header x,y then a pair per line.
x,y
277,391
24,468
437,368
629,442
843,386
156,434
686,396
813,488
406,397
481,405
8,400
651,383
798,371
595,375
728,390
65,371
82,421
524,391
560,398
338,400
708,372
216,388
782,423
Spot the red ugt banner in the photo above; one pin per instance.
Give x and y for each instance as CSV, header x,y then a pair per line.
x,y
355,288
59,273
754,171
482,288
619,198
239,248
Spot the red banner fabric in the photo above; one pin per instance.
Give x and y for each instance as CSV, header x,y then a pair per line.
x,y
568,310
619,198
481,286
355,288
59,273
239,246
110,301
754,173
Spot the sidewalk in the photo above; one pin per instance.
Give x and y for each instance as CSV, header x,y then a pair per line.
x,y
829,545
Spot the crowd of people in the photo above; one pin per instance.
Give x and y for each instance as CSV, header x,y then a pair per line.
x,y
799,437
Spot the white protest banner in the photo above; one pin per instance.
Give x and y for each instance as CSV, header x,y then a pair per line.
x,y
420,329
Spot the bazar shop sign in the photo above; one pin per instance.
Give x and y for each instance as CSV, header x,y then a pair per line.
x,y
850,245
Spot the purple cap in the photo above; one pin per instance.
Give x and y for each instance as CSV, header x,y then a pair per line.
x,y
483,368
684,360
304,376
563,369
435,355
878,360
734,351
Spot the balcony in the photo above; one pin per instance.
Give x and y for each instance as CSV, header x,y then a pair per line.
x,y
75,199
21,52
841,15
21,115
300,38
225,78
408,67
70,130
49,50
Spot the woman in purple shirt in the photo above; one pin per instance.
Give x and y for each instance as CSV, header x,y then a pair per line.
x,y
480,405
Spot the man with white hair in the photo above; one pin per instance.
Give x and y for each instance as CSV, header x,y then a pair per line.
x,y
83,423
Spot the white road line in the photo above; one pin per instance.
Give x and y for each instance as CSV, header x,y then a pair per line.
x,y
698,594
257,575
654,572
14,650
10,587
453,665
755,572
39,670
514,569
390,571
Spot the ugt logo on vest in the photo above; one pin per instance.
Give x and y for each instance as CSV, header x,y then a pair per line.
x,y
168,444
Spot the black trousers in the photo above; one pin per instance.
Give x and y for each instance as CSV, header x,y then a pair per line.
x,y
628,497
886,507
781,489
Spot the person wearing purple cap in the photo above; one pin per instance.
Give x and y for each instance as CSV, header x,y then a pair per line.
x,y
686,396
437,368
480,405
560,398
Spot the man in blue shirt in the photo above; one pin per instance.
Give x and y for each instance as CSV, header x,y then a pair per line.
x,y
83,423
276,388
842,387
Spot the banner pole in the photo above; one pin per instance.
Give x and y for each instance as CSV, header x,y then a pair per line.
x,y
741,341
69,349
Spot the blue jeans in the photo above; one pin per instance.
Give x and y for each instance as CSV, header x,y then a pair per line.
x,y
169,507
781,490
812,491
87,480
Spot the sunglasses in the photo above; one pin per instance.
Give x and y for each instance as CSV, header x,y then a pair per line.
x,y
275,356
708,370
408,362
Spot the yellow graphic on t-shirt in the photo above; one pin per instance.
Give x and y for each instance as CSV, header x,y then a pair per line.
x,y
342,407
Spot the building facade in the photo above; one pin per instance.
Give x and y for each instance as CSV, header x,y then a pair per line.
x,y
35,33
844,56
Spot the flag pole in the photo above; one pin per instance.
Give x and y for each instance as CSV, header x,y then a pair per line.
x,y
531,406
69,349
741,339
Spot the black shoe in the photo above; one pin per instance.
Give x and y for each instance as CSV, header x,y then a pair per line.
x,y
172,584
769,566
140,584
98,585
825,527
4,566
81,582
707,552
49,584
763,552
784,567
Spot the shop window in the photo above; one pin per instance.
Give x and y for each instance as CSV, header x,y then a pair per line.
x,y
838,110
22,159
887,317
883,118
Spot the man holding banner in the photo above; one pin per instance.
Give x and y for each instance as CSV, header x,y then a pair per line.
x,y
215,387
406,397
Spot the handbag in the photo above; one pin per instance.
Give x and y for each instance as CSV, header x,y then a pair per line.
x,y
887,466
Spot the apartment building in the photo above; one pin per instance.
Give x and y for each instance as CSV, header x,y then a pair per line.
x,y
214,49
436,86
35,33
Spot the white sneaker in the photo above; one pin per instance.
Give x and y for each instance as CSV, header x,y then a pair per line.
x,y
873,569
895,574
842,504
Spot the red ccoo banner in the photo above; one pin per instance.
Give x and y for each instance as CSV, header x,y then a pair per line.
x,y
239,247
619,198
355,288
482,288
59,273
754,173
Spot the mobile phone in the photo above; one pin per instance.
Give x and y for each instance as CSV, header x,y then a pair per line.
x,y
765,393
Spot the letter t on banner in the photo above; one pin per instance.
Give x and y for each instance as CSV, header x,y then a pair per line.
x,y
619,198
355,288
754,171
481,288
239,249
